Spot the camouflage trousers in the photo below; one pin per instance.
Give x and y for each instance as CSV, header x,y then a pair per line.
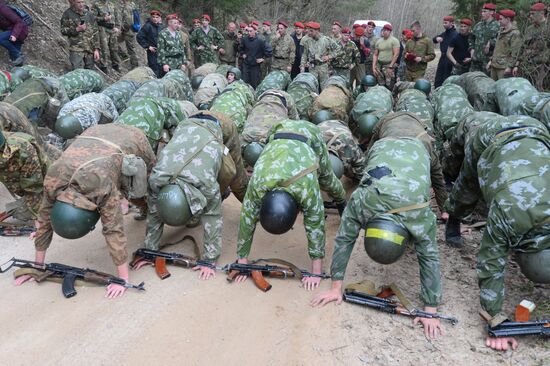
x,y
266,67
321,72
129,41
357,74
279,64
414,75
108,42
81,60
479,66
386,76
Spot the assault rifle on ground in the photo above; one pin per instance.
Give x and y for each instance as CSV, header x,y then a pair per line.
x,y
12,228
258,271
68,274
392,307
512,329
159,260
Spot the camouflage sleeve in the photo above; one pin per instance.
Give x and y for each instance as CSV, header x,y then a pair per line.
x,y
161,50
428,262
305,54
357,162
212,222
292,54
218,39
491,263
68,29
113,226
117,17
250,211
327,179
515,47
493,33
348,231
44,233
314,219
430,53
356,55
233,143
94,39
333,49
438,181
193,40
155,225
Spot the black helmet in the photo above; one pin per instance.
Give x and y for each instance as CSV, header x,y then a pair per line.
x,y
366,124
278,212
196,81
337,165
68,126
235,71
71,222
535,266
368,80
423,85
321,116
385,241
173,207
252,153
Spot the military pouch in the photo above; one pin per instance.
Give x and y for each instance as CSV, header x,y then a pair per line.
x,y
227,172
134,176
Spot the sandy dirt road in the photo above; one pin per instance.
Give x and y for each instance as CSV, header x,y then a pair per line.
x,y
185,321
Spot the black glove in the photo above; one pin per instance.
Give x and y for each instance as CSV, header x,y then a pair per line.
x,y
341,206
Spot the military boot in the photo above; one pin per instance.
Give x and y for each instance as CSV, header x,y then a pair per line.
x,y
453,237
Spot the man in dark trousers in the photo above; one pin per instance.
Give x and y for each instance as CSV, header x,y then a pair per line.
x,y
13,32
147,38
444,67
254,51
299,28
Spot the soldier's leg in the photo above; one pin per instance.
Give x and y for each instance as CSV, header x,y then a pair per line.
x,y
497,74
76,59
322,74
104,49
359,73
255,74
130,41
155,226
153,63
113,50
89,61
368,68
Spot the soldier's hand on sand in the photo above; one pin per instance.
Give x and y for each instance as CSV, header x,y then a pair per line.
x,y
328,296
114,291
205,272
501,344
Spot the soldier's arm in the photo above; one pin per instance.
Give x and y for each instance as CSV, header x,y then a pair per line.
x,y
141,36
161,50
292,53
44,233
113,226
32,180
212,222
327,179
311,204
194,39
94,32
305,54
218,39
250,211
495,29
428,261
351,224
68,28
333,49
515,47
430,53
438,182
357,161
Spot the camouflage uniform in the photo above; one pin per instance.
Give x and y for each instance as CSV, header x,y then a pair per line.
x,y
347,57
537,106
88,175
127,35
283,159
175,85
377,101
314,50
120,93
303,90
404,186
422,47
81,44
231,47
212,85
34,73
480,89
196,174
483,32
506,50
510,94
207,40
140,75
278,79
335,98
416,102
404,124
284,53
450,105
91,109
466,190
534,57
13,120
151,115
171,50
108,39
80,82
517,190
235,102
341,143
5,85
23,166
272,107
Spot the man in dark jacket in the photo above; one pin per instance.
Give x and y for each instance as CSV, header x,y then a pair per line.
x,y
297,36
444,67
147,38
254,51
13,33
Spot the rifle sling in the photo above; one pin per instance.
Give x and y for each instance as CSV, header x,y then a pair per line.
x,y
368,287
301,174
408,208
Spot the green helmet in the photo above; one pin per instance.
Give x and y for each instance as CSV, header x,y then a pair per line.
x,y
321,116
278,212
173,207
337,165
196,81
252,153
19,74
2,139
203,107
71,222
235,71
366,124
423,85
535,266
368,80
68,126
385,241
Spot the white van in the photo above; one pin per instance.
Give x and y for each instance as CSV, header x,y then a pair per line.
x,y
379,25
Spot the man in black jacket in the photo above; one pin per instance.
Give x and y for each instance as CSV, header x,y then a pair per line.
x,y
297,36
444,67
254,51
147,38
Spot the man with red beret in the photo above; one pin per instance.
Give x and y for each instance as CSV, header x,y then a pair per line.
x,y
196,23
347,57
484,37
459,53
506,48
319,50
284,48
444,67
384,60
336,32
418,52
297,36
171,47
206,42
406,34
365,49
533,61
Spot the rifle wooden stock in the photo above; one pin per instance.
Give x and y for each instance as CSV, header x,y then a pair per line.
x,y
260,281
160,268
232,275
43,276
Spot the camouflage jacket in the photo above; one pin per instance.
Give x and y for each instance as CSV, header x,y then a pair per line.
x,y
81,81
506,49
230,46
207,40
86,41
103,8
121,92
23,167
283,159
535,48
91,109
96,185
196,174
407,184
171,49
284,48
415,101
235,101
450,105
315,49
484,32
348,55
277,79
126,13
422,47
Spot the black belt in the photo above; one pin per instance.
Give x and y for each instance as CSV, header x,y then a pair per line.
x,y
290,136
206,116
283,99
280,58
